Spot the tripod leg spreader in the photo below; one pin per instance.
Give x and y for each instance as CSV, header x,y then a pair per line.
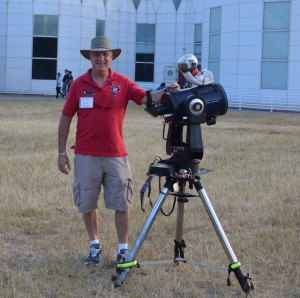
x,y
178,249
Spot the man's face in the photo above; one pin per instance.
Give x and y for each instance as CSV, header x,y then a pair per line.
x,y
101,60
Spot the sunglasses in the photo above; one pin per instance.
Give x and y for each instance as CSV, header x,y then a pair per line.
x,y
105,101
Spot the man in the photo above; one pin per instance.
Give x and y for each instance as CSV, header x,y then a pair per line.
x,y
100,98
65,82
70,81
161,86
58,85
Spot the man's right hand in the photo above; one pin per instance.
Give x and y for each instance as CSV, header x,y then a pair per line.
x,y
63,163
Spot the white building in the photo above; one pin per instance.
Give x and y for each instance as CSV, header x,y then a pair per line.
x,y
251,46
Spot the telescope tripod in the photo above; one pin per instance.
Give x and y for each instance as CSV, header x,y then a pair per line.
x,y
194,181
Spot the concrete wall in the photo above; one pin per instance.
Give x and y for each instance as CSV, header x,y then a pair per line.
x,y
241,42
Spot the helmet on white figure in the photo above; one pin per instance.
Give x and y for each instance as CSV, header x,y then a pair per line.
x,y
187,65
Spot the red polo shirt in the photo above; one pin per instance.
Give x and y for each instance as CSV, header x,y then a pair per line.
x,y
101,112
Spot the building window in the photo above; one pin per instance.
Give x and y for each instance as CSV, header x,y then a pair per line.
x,y
198,43
44,47
100,27
144,60
214,55
274,72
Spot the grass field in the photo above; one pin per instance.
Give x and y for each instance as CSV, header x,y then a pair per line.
x,y
254,190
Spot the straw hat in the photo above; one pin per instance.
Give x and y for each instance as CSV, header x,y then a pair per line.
x,y
100,44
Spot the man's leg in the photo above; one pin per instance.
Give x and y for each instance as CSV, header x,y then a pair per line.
x,y
122,222
118,196
86,188
91,222
64,89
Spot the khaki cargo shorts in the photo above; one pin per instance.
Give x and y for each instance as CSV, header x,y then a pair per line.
x,y
93,172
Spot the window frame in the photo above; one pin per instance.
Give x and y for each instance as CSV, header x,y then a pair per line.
x,y
145,52
44,62
270,64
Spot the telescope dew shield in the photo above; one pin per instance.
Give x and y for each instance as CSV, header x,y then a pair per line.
x,y
215,99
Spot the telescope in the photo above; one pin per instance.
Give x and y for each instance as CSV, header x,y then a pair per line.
x,y
190,107
186,108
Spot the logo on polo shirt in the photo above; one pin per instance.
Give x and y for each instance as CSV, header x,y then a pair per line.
x,y
115,89
87,92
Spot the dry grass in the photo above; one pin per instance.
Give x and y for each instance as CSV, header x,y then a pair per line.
x,y
254,190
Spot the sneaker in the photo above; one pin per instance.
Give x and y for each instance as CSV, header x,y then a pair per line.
x,y
95,255
121,257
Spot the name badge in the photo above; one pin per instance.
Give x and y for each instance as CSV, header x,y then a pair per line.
x,y
86,102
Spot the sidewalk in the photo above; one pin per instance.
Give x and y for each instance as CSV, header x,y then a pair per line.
x,y
9,96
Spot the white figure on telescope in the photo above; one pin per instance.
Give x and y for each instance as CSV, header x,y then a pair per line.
x,y
187,65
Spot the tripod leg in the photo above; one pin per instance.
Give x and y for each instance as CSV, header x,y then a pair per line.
x,y
130,260
179,242
234,264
